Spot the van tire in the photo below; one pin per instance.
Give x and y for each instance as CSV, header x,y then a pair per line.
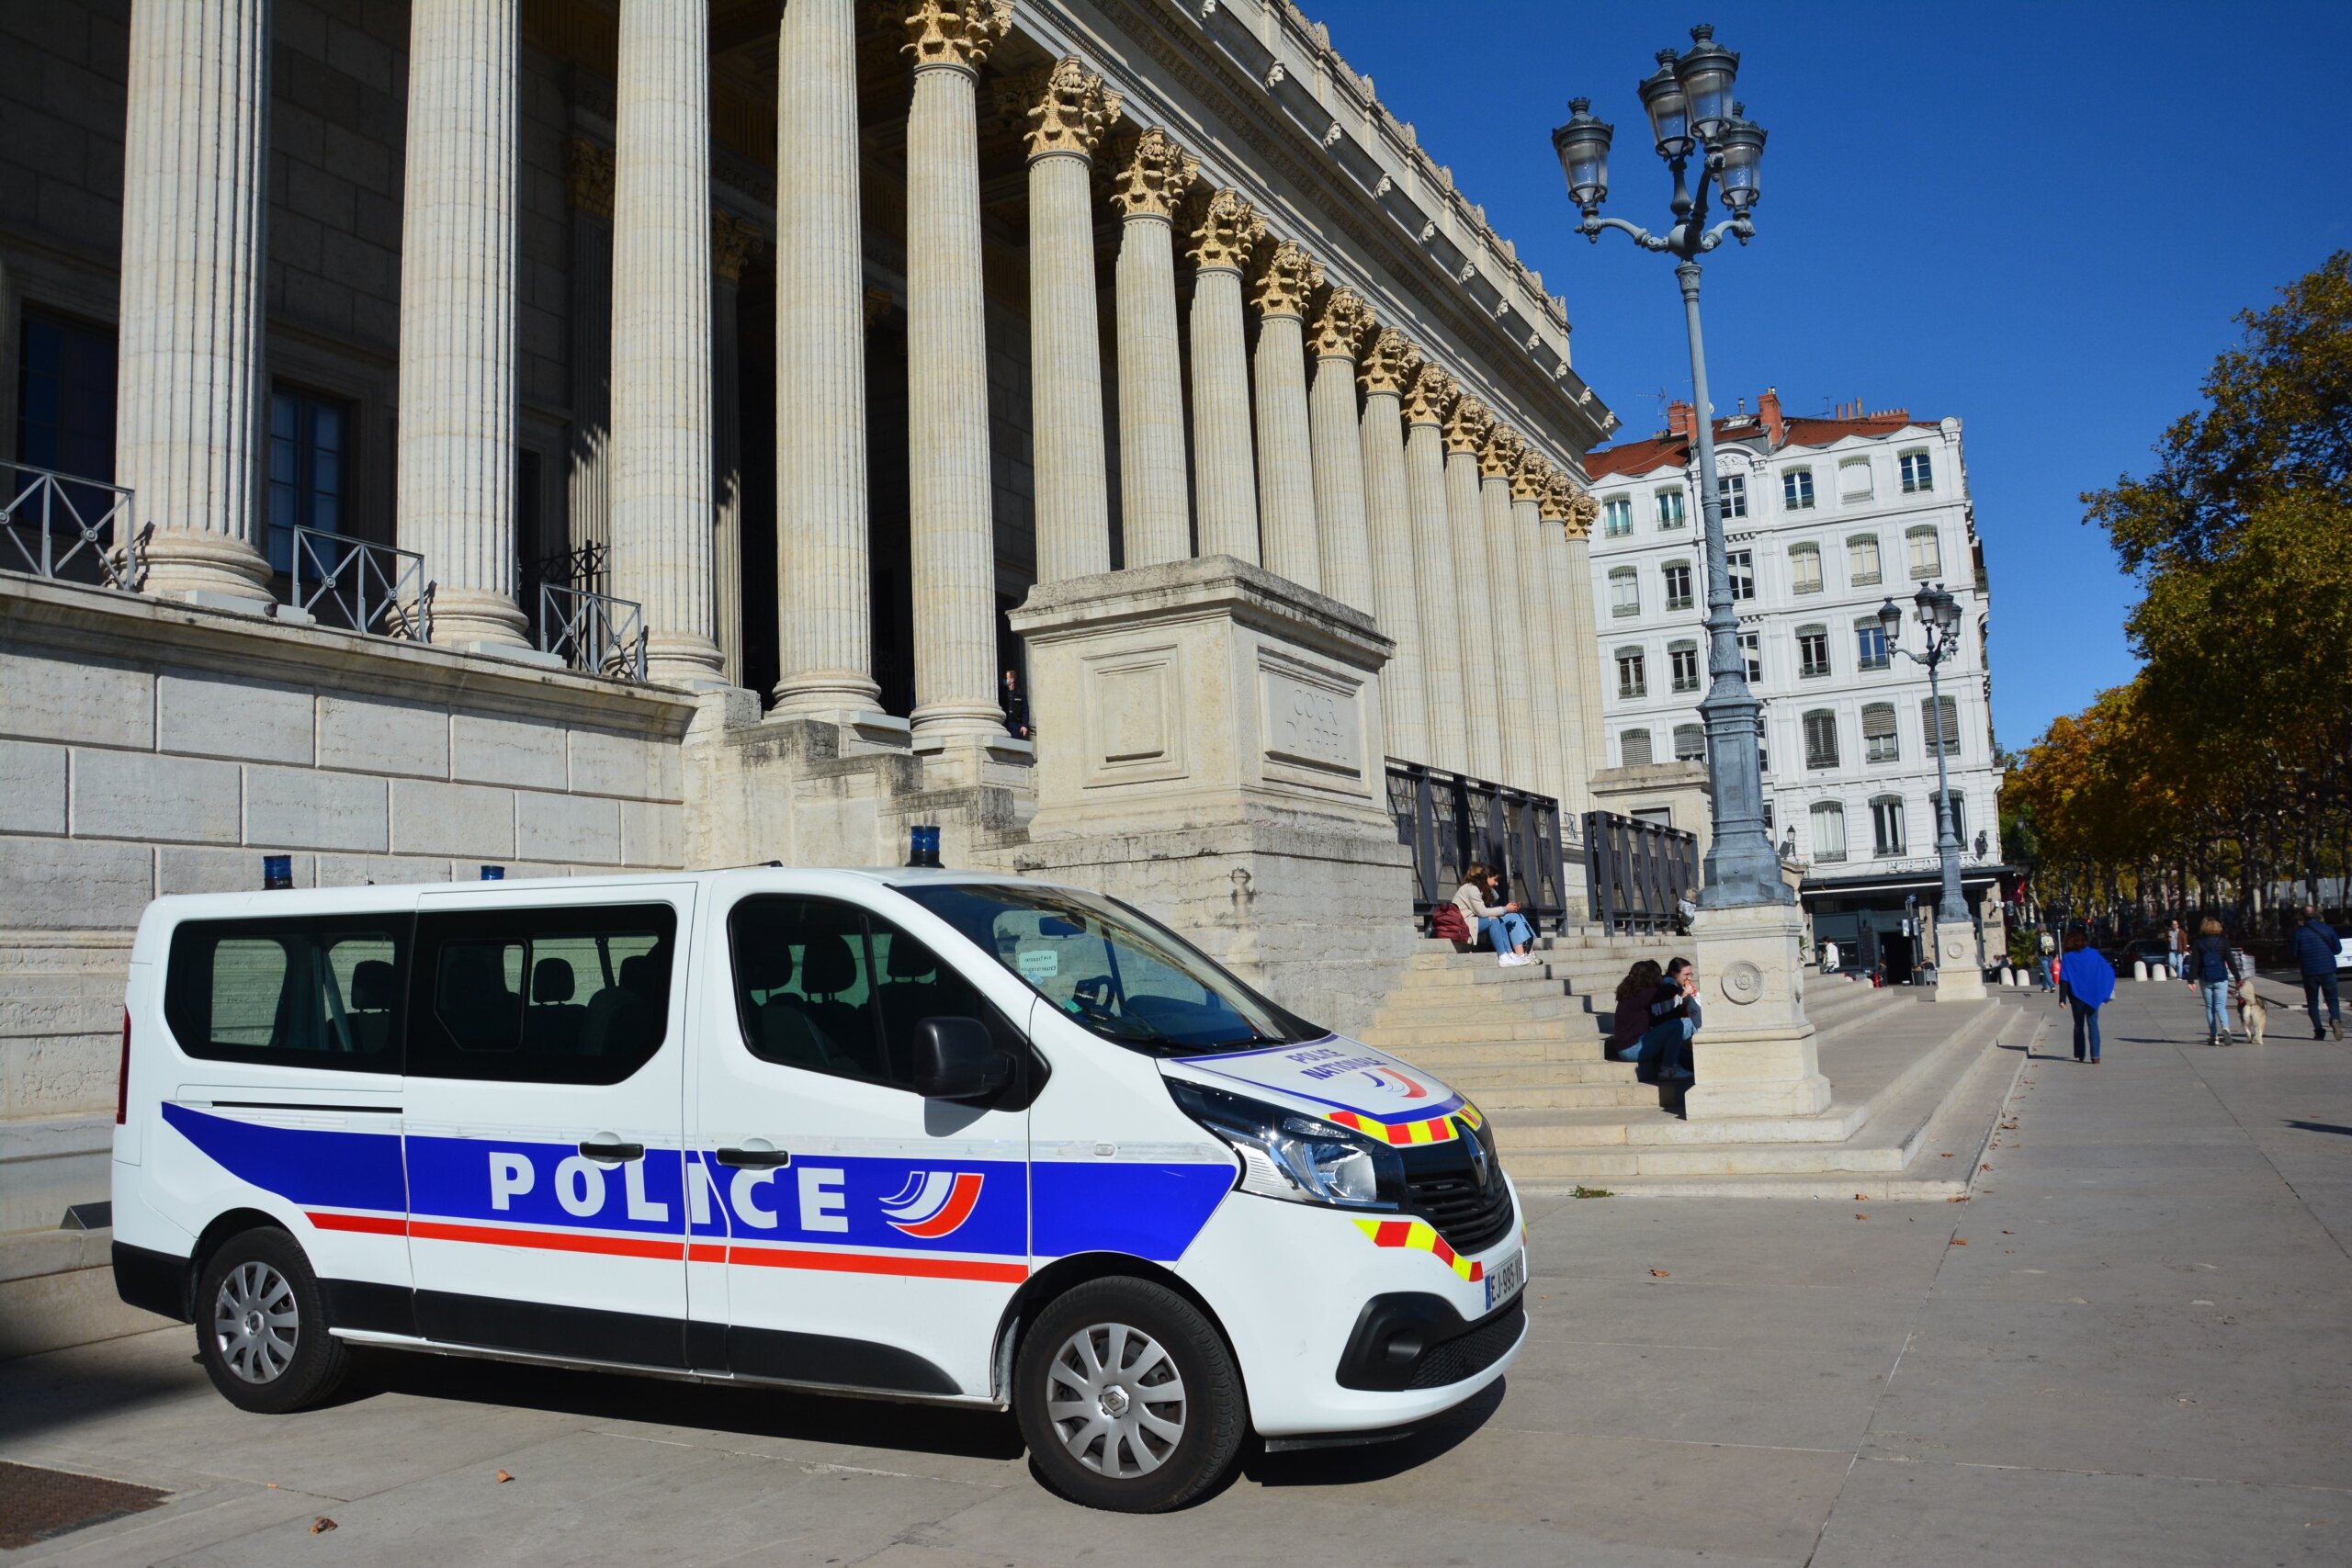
x,y
1214,1411
253,1277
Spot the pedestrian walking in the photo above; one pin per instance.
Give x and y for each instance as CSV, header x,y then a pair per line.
x,y
1829,958
2176,950
2090,981
2315,948
2049,963
2209,971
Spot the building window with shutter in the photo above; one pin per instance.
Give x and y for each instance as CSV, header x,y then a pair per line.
x,y
1862,559
1742,564
1828,830
1804,568
1959,819
1731,494
1676,574
1821,739
1948,731
1669,508
1751,647
1812,651
1870,644
1632,679
1926,550
1682,658
1878,743
1854,480
1690,743
1624,592
1886,825
1918,476
1796,490
1634,746
1617,518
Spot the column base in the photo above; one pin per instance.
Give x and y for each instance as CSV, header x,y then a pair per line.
x,y
205,569
1958,978
689,663
1755,1052
830,697
477,622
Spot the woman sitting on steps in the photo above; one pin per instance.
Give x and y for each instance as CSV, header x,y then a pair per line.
x,y
1500,923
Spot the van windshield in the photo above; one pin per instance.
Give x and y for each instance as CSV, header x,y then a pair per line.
x,y
1115,971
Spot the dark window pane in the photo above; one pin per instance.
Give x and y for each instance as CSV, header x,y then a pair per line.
x,y
569,996
804,989
312,993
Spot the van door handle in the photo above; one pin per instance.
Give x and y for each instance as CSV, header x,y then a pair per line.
x,y
753,1159
613,1153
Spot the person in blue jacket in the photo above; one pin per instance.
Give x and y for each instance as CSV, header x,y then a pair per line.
x,y
2090,981
2315,948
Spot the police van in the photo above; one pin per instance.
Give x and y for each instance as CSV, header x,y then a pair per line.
x,y
915,1135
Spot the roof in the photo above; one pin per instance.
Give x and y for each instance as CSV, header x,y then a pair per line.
x,y
1671,449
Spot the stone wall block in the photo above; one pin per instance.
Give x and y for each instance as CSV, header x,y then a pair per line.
x,y
185,868
358,871
142,795
653,834
43,698
317,810
568,827
366,736
51,884
461,820
630,765
486,749
243,721
32,788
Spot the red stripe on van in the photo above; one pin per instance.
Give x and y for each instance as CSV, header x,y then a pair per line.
x,y
554,1241
866,1263
375,1224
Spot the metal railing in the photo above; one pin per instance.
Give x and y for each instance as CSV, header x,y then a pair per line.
x,y
1450,821
586,568
1635,871
355,586
592,633
68,527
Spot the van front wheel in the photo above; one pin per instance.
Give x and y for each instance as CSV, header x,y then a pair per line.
x,y
260,1328
1128,1397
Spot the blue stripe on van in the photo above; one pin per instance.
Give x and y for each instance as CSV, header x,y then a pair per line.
x,y
1149,1210
307,1166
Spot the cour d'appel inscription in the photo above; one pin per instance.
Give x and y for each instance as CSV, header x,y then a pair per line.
x,y
1313,723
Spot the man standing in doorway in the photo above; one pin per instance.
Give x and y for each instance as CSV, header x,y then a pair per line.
x,y
2315,949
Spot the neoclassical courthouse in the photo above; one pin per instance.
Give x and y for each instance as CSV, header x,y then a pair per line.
x,y
859,350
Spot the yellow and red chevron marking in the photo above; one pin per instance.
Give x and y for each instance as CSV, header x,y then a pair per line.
x,y
1422,1238
1470,1117
1436,1130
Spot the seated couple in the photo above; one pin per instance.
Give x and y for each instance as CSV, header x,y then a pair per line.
x,y
1499,923
1658,1013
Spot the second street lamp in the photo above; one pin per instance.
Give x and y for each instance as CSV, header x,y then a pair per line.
x,y
1938,613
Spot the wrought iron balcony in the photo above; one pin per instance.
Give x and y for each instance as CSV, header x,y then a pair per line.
x,y
69,528
592,633
355,586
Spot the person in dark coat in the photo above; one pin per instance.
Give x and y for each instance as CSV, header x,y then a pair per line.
x,y
2090,981
1015,702
1665,1055
2208,967
2317,945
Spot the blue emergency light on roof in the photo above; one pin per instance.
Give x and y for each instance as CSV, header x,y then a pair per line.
x,y
924,846
277,872
494,873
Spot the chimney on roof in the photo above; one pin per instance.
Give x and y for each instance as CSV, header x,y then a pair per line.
x,y
1678,420
1768,409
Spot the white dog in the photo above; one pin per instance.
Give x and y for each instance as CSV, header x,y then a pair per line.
x,y
2253,1016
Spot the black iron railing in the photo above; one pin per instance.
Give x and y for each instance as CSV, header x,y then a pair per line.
x,y
1635,870
67,527
592,633
1451,820
356,586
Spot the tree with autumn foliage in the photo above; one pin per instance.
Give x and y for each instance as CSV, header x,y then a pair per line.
x,y
2225,766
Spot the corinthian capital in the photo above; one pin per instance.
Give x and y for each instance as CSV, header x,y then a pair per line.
x,y
1068,108
955,33
1345,322
1499,452
1529,475
1286,281
1467,425
1389,364
588,175
1228,230
1573,509
1430,397
1151,175
732,241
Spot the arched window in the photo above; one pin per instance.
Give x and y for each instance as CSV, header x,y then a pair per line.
x,y
1870,644
1879,741
1919,472
1886,825
1633,747
1925,550
1690,743
1821,739
1828,830
1949,730
1854,479
1804,568
1624,590
1862,559
1959,819
1633,673
1684,657
1812,651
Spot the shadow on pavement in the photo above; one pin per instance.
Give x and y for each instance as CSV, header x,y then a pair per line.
x,y
2321,1127
42,1391
1375,1462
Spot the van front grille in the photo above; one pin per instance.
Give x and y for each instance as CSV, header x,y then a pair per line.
x,y
1442,1186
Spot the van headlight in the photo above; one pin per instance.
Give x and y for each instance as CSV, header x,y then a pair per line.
x,y
1302,1158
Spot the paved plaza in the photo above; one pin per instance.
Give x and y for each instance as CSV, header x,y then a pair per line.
x,y
2130,1346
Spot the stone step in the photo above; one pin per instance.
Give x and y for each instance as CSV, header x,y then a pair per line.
x,y
1447,1057
1483,1030
1552,1095
1479,1080
1404,1009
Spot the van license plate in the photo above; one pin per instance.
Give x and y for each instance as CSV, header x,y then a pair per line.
x,y
1506,1278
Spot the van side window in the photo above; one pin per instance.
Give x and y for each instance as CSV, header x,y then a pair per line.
x,y
825,987
296,993
571,996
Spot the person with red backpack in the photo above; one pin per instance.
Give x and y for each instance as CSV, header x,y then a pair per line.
x,y
1501,924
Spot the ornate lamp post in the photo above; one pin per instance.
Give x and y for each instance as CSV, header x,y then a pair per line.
x,y
1958,975
1691,116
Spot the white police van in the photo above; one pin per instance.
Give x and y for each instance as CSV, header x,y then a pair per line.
x,y
916,1134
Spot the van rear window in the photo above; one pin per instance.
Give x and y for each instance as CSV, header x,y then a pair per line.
x,y
575,995
298,993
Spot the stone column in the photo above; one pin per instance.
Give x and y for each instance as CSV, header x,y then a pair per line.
x,y
1287,278
732,240
1515,708
1067,111
1588,741
1531,545
1429,398
589,174
195,211
1224,486
1477,622
455,460
954,542
1155,506
1343,536
1573,646
1389,366
662,512
824,580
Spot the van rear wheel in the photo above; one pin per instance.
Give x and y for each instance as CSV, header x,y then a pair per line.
x,y
1128,1397
261,1325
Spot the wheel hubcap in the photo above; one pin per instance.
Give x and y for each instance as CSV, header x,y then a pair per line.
x,y
1116,1399
254,1322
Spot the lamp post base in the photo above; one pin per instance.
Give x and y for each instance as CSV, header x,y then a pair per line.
x,y
1754,1052
1959,978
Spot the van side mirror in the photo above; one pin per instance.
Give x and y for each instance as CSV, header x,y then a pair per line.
x,y
957,1058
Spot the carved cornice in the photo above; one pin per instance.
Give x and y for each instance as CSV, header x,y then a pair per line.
x,y
1529,475
954,34
1343,325
588,175
1467,425
1430,398
1286,280
1389,364
1225,232
1573,509
732,243
1151,175
1066,106
1500,454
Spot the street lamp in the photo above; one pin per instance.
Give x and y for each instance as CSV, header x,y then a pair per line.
x,y
1939,616
1689,104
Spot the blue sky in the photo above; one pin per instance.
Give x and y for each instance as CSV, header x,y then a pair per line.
x,y
2038,218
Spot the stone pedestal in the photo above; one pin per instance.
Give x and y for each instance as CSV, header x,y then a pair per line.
x,y
1959,978
1220,763
1754,1052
